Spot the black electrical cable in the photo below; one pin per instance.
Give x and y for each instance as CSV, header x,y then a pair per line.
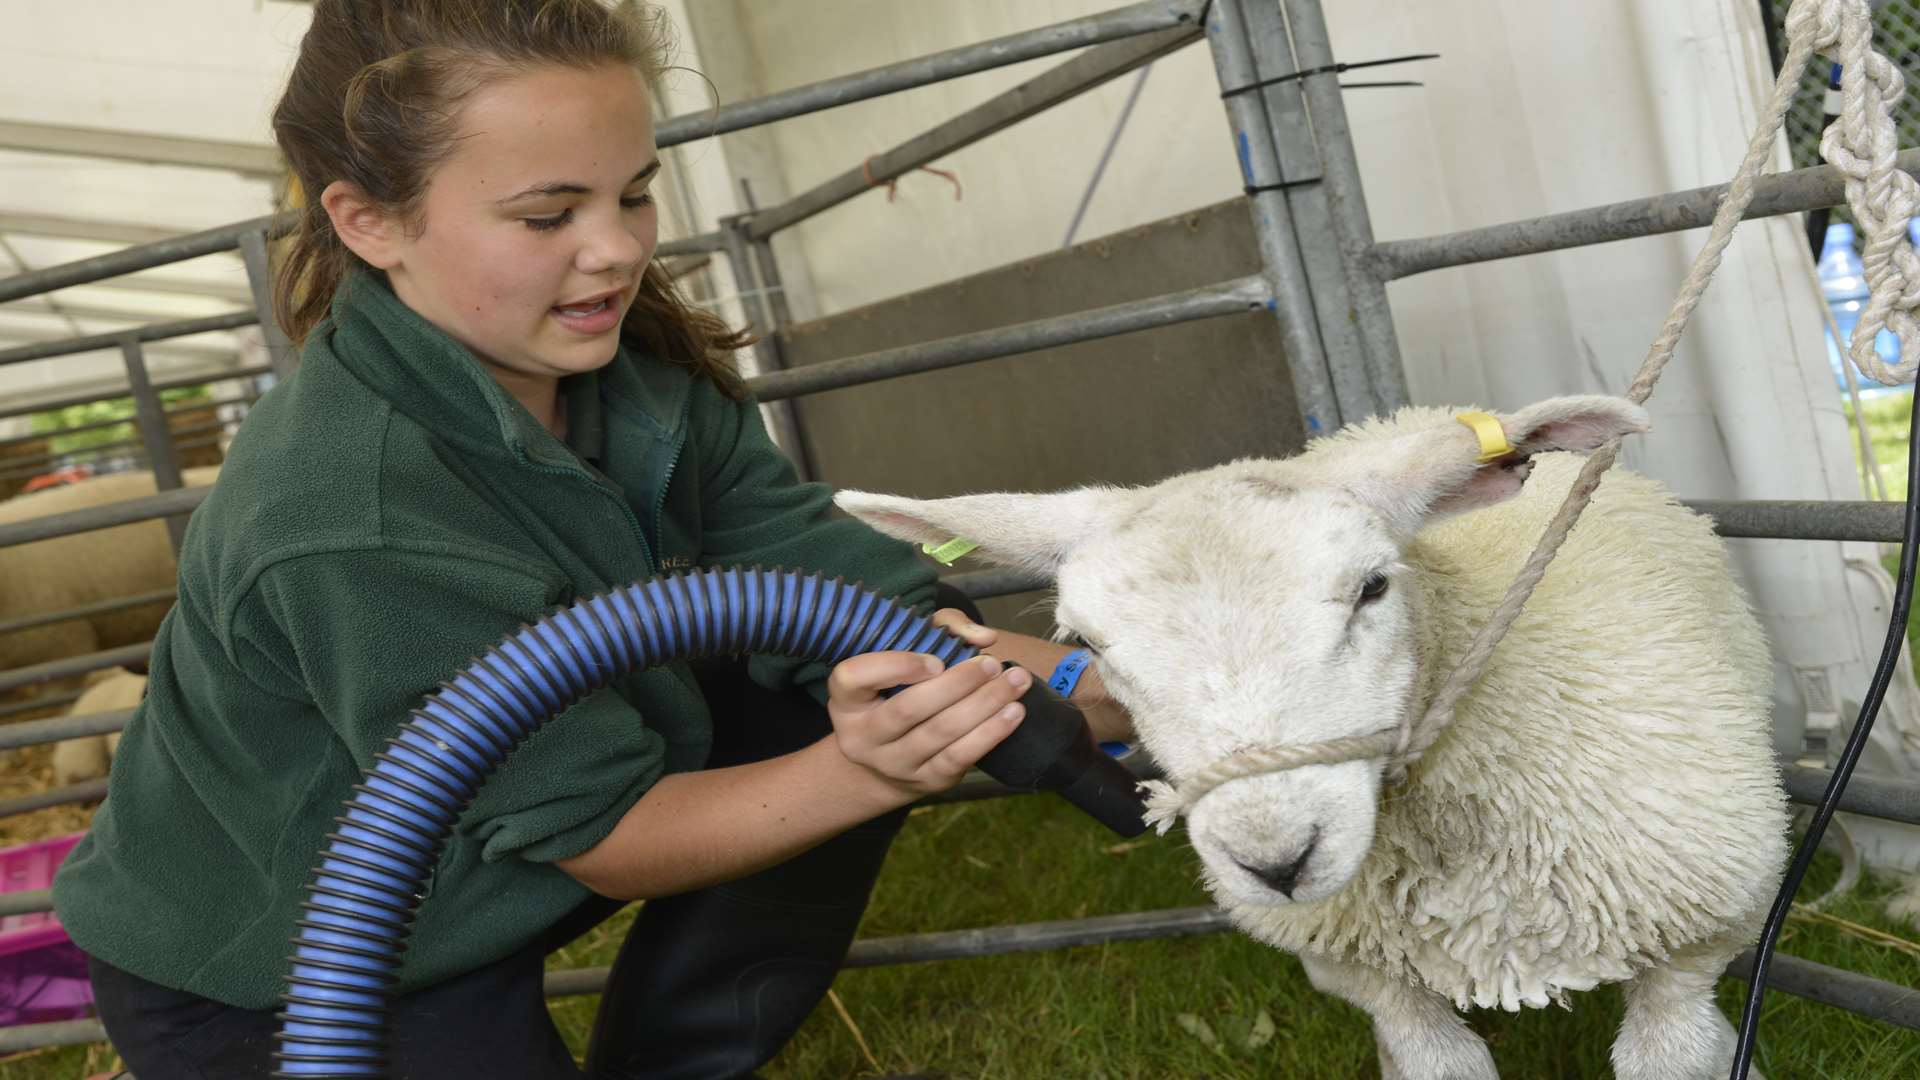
x,y
1849,757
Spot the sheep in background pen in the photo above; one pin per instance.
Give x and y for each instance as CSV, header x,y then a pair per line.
x,y
1605,806
69,571
90,757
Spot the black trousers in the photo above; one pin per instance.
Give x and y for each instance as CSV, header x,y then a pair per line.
x,y
708,985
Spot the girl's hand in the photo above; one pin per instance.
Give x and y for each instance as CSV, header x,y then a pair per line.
x,y
955,622
926,737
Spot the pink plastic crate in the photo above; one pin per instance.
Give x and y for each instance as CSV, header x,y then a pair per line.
x,y
43,974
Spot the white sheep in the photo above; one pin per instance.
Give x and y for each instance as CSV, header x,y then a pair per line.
x,y
69,571
90,757
1605,807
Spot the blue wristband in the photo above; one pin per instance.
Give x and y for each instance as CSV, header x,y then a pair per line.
x,y
1066,673
1066,676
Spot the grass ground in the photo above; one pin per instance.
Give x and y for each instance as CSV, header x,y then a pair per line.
x,y
1887,417
1213,1006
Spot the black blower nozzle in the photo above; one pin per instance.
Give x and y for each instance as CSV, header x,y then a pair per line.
x,y
1052,750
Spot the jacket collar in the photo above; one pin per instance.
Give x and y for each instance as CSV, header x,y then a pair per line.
x,y
423,372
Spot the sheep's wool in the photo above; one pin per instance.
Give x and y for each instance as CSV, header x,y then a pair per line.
x,y
1606,796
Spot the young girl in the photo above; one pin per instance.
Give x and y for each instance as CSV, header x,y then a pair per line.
x,y
502,406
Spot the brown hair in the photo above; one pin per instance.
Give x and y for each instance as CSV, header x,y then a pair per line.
x,y
374,100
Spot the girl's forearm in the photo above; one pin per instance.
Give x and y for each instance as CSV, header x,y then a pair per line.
x,y
695,829
1039,656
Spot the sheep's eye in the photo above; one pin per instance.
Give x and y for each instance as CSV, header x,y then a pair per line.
x,y
1374,587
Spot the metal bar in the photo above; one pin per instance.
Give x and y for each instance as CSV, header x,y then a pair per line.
x,y
1866,793
22,474
69,666
988,941
191,379
1876,999
144,257
75,429
54,729
1091,69
981,584
85,791
1297,159
145,508
280,351
1226,298
1781,193
1285,276
25,902
154,433
1106,154
56,1033
691,245
1347,201
1791,519
30,466
41,350
1139,18
177,287
246,158
51,702
28,622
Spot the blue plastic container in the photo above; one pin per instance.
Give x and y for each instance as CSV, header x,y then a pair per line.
x,y
1844,285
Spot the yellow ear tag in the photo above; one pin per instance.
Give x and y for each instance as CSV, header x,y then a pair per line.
x,y
1493,437
944,554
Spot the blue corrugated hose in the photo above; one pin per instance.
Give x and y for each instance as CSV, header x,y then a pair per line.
x,y
359,907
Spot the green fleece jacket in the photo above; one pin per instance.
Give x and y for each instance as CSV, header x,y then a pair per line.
x,y
384,516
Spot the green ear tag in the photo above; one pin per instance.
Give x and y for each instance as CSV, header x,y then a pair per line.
x,y
944,554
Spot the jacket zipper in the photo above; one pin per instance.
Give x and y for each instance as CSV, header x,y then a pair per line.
x,y
673,459
646,549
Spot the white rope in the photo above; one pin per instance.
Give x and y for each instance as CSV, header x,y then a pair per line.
x,y
1862,143
1870,87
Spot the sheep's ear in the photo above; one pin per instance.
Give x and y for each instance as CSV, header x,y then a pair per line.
x,y
1418,477
1033,532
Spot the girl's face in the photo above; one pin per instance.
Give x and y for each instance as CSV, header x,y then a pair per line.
x,y
536,229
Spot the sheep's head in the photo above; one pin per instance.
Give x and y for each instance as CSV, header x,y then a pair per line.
x,y
1261,603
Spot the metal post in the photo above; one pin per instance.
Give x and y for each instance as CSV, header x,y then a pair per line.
x,y
1306,194
280,351
768,267
782,424
1347,199
154,432
1273,224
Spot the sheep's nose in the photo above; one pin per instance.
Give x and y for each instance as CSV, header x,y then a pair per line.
x,y
1283,875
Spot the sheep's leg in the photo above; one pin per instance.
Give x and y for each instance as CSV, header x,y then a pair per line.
x,y
1674,1030
1419,1034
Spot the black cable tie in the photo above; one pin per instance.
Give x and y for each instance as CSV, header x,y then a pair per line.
x,y
1326,69
1283,185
